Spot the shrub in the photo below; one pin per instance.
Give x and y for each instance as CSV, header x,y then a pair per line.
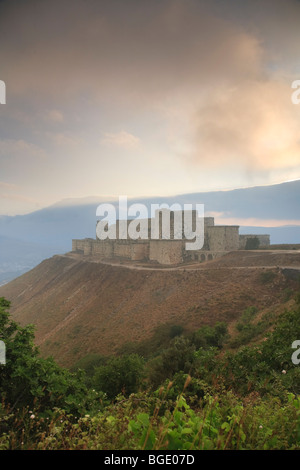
x,y
27,378
119,375
267,277
252,243
208,336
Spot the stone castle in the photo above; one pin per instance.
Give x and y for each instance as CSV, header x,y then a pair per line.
x,y
218,240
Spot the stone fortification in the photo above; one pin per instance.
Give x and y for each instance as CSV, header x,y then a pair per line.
x,y
251,239
218,240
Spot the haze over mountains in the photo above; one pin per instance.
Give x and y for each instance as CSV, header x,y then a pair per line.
x,y
28,239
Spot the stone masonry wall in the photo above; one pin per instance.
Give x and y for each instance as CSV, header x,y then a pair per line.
x,y
264,240
166,251
122,248
218,239
84,245
105,249
139,250
223,238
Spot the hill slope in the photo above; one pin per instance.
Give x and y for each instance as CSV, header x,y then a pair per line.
x,y
80,307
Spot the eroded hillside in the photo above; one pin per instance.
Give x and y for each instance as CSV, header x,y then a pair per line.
x,y
81,307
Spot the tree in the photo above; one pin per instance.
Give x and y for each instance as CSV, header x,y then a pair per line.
x,y
252,243
178,357
210,336
120,375
28,379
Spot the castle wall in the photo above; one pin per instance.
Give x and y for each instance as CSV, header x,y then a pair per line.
x,y
84,245
166,251
223,237
209,222
103,249
122,249
139,251
205,255
218,240
77,245
264,240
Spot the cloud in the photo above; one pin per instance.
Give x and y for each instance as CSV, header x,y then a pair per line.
x,y
253,125
7,186
17,197
201,89
12,201
54,115
12,150
121,51
65,141
121,139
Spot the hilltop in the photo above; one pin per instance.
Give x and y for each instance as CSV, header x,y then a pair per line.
x,y
32,237
80,306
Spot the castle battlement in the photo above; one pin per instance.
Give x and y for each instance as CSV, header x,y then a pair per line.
x,y
218,240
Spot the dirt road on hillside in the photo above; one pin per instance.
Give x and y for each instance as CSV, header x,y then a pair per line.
x,y
283,259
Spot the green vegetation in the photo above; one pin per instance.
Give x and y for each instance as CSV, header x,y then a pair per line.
x,y
188,392
267,277
119,374
27,379
162,336
252,243
248,329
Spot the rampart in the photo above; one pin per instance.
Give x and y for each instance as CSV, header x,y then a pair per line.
x,y
252,240
218,240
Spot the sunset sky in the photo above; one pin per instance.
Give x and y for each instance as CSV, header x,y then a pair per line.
x,y
145,98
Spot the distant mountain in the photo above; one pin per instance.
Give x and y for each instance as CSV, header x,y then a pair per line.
x,y
19,256
278,202
50,230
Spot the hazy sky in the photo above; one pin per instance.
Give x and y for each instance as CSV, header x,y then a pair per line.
x,y
145,97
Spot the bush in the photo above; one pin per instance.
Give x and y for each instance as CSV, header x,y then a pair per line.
x,y
252,243
119,375
267,277
27,378
159,340
208,336
179,357
206,398
89,362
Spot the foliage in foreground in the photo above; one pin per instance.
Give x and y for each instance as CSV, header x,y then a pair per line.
x,y
144,421
191,395
27,379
